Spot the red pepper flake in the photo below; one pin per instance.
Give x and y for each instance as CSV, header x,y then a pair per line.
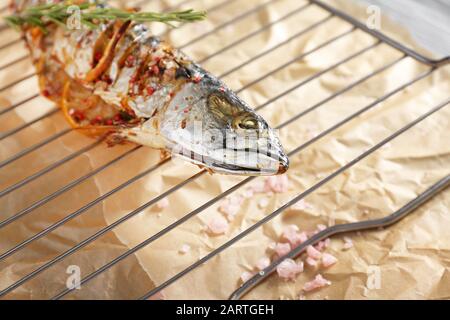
x,y
117,118
109,122
97,120
187,109
77,115
197,79
150,91
155,70
172,94
129,62
45,93
222,89
107,79
97,56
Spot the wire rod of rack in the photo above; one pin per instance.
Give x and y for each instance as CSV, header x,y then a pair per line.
x,y
284,207
384,222
380,38
287,64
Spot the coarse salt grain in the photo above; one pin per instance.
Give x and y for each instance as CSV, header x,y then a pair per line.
x,y
272,245
348,243
162,204
185,248
248,193
317,283
263,203
231,206
313,253
218,225
328,260
289,269
282,248
311,262
277,184
245,276
322,245
293,236
262,263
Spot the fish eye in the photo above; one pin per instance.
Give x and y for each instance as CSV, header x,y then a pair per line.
x,y
247,122
229,113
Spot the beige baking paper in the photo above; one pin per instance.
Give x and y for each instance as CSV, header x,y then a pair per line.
x,y
411,259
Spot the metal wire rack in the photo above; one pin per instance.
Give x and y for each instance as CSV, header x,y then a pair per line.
x,y
332,12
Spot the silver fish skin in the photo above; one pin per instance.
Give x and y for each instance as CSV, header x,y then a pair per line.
x,y
175,104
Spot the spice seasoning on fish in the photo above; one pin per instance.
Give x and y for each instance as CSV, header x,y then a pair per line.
x,y
121,80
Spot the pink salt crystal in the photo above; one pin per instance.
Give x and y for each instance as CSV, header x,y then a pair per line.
x,y
282,249
348,243
313,253
162,204
245,276
248,193
311,262
321,227
288,269
185,248
328,260
263,203
293,236
218,225
317,283
231,206
277,184
272,245
262,263
303,236
321,245
290,232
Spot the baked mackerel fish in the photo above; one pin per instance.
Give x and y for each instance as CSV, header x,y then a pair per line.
x,y
118,80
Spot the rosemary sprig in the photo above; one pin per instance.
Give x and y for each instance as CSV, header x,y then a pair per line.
x,y
91,16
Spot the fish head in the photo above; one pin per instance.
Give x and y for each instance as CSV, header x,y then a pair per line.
x,y
208,124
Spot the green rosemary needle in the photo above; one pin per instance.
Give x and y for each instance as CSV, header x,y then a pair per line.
x,y
91,16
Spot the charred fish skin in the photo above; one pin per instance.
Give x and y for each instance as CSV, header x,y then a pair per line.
x,y
162,98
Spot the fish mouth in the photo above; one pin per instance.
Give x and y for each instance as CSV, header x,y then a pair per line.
x,y
283,166
268,164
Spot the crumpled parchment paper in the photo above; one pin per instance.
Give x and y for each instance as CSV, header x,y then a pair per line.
x,y
411,259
